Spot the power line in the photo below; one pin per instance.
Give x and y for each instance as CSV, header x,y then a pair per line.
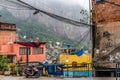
x,y
60,18
19,4
113,3
10,7
84,38
54,9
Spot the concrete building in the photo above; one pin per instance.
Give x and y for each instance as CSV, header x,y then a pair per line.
x,y
106,18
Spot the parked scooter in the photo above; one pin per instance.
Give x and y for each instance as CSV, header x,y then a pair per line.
x,y
32,72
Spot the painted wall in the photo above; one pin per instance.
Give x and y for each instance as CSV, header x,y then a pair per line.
x,y
32,56
68,59
13,49
5,49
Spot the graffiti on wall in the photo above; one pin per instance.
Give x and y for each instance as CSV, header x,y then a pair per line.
x,y
103,40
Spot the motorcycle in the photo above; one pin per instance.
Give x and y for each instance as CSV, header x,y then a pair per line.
x,y
32,72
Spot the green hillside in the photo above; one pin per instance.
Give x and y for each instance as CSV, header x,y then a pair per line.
x,y
31,30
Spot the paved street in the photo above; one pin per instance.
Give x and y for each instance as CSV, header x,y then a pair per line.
x,y
54,78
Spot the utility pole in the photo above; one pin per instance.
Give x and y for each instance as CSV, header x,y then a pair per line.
x,y
93,39
27,58
92,29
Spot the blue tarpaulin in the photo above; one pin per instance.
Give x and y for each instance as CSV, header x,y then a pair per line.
x,y
78,73
55,69
79,53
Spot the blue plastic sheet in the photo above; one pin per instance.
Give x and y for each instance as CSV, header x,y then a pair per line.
x,y
78,73
54,69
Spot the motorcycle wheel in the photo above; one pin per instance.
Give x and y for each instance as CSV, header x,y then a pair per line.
x,y
37,75
26,76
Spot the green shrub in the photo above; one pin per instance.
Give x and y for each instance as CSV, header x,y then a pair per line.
x,y
4,63
1,67
12,68
6,67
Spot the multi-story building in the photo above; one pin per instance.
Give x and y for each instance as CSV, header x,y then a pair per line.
x,y
106,17
16,51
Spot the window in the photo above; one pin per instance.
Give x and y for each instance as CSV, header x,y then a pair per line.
x,y
70,51
37,50
99,1
23,50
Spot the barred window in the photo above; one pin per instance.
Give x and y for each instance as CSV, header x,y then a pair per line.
x,y
23,50
37,50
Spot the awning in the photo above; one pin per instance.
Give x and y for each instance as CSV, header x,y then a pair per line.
x,y
30,44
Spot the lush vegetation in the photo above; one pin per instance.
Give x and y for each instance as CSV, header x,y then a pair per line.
x,y
31,29
4,63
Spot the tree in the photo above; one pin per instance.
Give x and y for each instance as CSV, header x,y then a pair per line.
x,y
85,17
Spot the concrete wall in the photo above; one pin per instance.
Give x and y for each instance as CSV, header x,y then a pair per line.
x,y
14,49
32,56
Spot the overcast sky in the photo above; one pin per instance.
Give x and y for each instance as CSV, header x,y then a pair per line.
x,y
83,3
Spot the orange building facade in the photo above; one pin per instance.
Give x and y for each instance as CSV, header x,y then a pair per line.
x,y
16,51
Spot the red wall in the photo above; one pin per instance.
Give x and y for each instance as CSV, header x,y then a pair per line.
x,y
32,57
5,49
14,49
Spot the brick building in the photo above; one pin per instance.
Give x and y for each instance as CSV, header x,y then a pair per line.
x,y
106,17
7,33
16,51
